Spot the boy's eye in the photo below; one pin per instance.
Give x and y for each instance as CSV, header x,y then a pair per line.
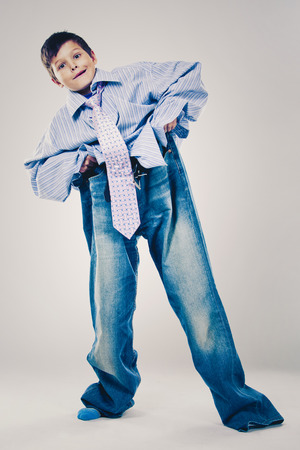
x,y
61,66
77,55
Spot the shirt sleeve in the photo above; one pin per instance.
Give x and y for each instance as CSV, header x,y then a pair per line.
x,y
180,93
51,176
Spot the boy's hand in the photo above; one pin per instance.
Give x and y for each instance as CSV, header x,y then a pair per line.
x,y
88,165
170,126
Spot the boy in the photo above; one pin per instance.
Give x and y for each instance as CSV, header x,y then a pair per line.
x,y
146,108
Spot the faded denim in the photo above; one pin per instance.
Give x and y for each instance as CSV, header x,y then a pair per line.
x,y
170,223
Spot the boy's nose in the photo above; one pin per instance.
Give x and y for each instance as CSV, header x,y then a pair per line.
x,y
74,66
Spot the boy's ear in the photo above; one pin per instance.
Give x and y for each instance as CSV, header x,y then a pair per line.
x,y
57,83
93,56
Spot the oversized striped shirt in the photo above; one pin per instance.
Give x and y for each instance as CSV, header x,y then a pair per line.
x,y
140,99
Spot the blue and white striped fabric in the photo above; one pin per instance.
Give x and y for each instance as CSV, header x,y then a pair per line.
x,y
140,99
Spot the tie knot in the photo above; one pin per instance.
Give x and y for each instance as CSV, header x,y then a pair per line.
x,y
93,101
96,98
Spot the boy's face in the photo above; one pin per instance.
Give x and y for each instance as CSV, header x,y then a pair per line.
x,y
74,67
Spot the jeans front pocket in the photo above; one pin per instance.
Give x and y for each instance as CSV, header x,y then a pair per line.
x,y
98,173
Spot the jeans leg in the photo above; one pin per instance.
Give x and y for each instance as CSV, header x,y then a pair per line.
x,y
178,248
113,283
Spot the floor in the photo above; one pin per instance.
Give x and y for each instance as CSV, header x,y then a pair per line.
x,y
39,413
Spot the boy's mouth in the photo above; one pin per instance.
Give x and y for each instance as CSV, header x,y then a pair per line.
x,y
79,74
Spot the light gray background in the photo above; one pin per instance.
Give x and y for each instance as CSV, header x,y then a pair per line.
x,y
242,156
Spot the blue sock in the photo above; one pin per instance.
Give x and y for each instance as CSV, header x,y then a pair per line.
x,y
88,414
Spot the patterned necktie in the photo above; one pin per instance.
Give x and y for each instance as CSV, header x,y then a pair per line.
x,y
124,206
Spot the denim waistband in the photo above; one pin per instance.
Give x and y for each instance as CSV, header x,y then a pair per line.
x,y
137,168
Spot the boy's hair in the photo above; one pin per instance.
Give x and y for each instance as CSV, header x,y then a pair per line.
x,y
54,42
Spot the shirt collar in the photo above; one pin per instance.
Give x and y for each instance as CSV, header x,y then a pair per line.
x,y
76,100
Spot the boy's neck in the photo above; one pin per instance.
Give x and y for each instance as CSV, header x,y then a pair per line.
x,y
88,95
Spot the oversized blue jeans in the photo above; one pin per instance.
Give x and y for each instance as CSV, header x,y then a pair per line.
x,y
170,224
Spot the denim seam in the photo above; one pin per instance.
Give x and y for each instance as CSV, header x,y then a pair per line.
x,y
180,171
